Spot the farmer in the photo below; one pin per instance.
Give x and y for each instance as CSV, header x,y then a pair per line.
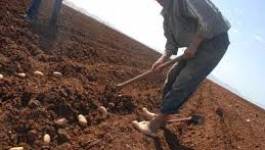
x,y
199,26
33,10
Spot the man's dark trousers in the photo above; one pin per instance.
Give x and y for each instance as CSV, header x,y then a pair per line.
x,y
184,78
33,11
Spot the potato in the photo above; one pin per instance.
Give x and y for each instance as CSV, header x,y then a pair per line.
x,y
22,75
82,120
148,114
146,111
103,110
1,76
61,122
17,148
38,73
57,74
46,138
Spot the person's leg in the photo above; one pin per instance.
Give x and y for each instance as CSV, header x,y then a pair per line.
x,y
158,120
33,10
55,12
194,72
172,75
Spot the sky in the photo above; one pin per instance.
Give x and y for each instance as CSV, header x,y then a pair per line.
x,y
242,70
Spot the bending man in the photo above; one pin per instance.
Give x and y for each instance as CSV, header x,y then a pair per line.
x,y
199,26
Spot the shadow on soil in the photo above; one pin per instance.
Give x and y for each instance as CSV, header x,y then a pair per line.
x,y
172,141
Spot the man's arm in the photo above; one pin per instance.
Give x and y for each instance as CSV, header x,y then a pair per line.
x,y
192,49
161,60
171,47
210,20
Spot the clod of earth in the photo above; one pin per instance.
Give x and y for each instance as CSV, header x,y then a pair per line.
x,y
63,136
57,74
220,112
82,120
46,138
38,73
32,136
117,103
112,104
1,76
61,122
22,75
33,103
16,148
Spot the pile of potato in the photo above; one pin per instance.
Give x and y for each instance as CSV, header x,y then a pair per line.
x,y
60,122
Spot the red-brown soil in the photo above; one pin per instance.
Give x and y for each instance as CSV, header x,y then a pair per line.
x,y
93,58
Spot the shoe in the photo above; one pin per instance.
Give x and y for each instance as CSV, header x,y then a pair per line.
x,y
143,127
148,115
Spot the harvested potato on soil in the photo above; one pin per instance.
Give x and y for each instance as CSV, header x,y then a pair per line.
x,y
63,135
16,148
82,120
103,109
57,74
22,75
148,114
38,73
46,138
1,76
61,122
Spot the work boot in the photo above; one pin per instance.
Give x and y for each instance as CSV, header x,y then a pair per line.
x,y
148,115
144,127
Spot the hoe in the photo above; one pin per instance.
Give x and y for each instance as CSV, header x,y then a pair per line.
x,y
195,119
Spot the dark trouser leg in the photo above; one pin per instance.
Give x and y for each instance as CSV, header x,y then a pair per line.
x,y
193,73
33,10
56,10
171,76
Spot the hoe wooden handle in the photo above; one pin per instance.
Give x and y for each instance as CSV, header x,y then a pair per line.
x,y
148,72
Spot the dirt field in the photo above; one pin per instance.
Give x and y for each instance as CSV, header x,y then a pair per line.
x,y
92,58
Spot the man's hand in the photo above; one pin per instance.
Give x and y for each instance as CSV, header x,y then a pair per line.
x,y
192,49
157,65
190,52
